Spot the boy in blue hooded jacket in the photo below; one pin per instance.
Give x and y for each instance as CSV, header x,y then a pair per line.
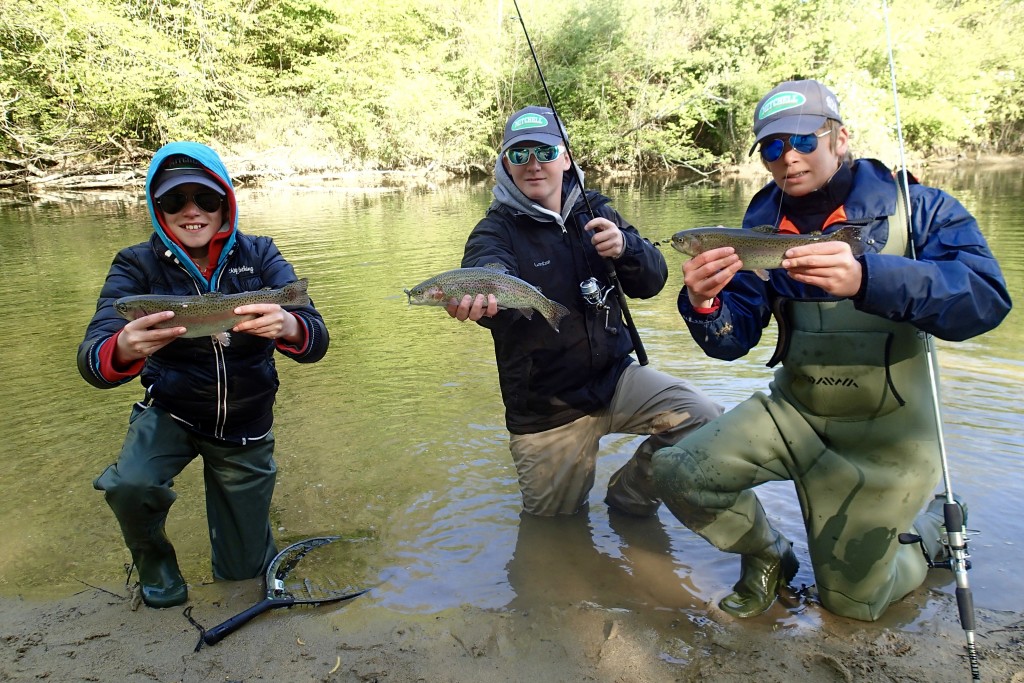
x,y
201,397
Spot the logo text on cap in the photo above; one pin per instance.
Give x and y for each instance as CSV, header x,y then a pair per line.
x,y
781,102
529,121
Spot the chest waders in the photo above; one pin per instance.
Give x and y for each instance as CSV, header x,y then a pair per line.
x,y
860,382
848,421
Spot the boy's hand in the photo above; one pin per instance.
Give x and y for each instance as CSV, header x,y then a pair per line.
x,y
607,239
473,308
707,274
273,322
139,339
829,265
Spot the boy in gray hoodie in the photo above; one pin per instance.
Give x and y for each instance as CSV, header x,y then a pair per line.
x,y
564,390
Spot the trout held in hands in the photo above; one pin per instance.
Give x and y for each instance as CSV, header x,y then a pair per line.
x,y
508,290
211,314
761,248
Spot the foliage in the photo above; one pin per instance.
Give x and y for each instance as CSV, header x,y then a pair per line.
x,y
643,84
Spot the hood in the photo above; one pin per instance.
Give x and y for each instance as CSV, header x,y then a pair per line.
x,y
507,193
220,246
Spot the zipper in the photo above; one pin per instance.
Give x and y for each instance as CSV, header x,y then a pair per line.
x,y
220,361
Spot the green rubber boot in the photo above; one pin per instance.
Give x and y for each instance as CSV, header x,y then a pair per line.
x,y
159,577
761,576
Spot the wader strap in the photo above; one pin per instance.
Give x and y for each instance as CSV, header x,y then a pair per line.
x,y
146,401
900,219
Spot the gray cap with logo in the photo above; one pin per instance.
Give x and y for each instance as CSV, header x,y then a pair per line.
x,y
532,124
794,108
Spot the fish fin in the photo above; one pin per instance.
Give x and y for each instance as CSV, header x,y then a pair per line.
x,y
766,229
496,266
528,312
762,273
223,338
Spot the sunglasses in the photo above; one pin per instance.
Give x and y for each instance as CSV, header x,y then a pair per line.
x,y
518,156
174,202
805,144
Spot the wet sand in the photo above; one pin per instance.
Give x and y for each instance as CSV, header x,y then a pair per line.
x,y
95,635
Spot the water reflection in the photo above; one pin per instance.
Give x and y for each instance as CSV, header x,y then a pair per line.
x,y
397,436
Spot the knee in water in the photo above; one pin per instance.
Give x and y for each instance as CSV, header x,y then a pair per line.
x,y
679,470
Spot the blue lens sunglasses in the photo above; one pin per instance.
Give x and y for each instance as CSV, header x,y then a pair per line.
x,y
805,144
518,156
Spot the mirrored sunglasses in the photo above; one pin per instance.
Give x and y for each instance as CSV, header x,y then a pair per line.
x,y
174,202
517,156
805,144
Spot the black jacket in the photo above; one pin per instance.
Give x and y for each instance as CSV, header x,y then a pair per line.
x,y
550,378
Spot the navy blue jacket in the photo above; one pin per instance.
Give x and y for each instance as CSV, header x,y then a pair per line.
x,y
550,378
225,392
953,290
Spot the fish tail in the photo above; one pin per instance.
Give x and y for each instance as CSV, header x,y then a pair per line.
x,y
556,314
296,293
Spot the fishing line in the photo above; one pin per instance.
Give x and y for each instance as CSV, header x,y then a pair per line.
x,y
956,540
634,334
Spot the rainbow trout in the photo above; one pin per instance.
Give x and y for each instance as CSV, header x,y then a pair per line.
x,y
510,292
761,248
211,314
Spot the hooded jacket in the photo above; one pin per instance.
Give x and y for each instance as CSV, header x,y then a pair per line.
x,y
550,378
224,392
953,290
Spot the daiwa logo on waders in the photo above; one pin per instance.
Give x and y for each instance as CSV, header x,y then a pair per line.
x,y
830,381
781,102
529,121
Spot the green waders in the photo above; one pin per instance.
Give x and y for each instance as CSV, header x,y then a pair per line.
x,y
850,422
239,481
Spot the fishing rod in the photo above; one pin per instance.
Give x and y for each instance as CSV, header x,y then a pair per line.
x,y
956,533
590,286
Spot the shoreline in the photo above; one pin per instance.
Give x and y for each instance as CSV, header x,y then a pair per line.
x,y
247,174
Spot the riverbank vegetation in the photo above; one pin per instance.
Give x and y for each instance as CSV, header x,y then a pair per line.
x,y
417,84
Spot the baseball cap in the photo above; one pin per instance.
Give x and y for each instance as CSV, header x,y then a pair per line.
x,y
794,108
535,124
181,170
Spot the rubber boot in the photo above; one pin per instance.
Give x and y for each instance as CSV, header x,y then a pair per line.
x,y
159,577
930,525
761,576
631,489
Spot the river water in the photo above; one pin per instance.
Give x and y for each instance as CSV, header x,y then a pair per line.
x,y
396,438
